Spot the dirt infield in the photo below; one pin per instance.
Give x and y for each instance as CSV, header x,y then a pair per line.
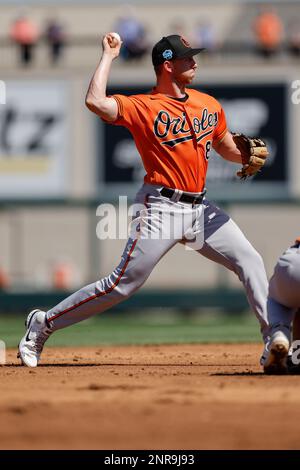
x,y
148,397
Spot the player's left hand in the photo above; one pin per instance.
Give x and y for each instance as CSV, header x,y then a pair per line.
x,y
254,153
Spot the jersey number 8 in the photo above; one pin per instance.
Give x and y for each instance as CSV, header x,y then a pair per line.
x,y
207,149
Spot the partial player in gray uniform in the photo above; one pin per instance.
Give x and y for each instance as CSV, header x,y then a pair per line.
x,y
283,304
163,208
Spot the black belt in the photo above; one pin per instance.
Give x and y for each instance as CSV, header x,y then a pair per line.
x,y
296,245
167,192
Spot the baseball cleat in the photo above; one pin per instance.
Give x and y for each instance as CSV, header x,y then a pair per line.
x,y
275,360
32,343
264,354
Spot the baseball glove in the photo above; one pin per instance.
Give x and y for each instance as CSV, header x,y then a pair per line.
x,y
254,153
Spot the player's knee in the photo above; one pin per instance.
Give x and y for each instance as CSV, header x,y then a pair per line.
x,y
256,259
253,265
132,280
247,256
127,289
248,262
137,275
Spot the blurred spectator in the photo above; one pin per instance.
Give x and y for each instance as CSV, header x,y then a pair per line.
x,y
24,33
134,37
56,38
62,276
177,26
4,280
294,37
204,36
268,30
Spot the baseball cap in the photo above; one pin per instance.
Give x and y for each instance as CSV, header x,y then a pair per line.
x,y
172,47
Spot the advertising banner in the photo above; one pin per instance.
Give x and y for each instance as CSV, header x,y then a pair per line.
x,y
33,139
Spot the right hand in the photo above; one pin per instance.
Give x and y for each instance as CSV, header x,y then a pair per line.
x,y
111,46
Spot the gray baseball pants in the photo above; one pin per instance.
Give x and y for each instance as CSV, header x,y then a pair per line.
x,y
158,226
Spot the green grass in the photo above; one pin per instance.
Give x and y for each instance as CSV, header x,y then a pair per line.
x,y
123,329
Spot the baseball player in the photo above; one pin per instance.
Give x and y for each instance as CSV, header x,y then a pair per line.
x,y
283,303
174,128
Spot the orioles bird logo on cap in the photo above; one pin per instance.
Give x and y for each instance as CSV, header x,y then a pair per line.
x,y
185,42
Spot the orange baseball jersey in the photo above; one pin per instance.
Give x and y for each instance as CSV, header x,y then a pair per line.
x,y
173,136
